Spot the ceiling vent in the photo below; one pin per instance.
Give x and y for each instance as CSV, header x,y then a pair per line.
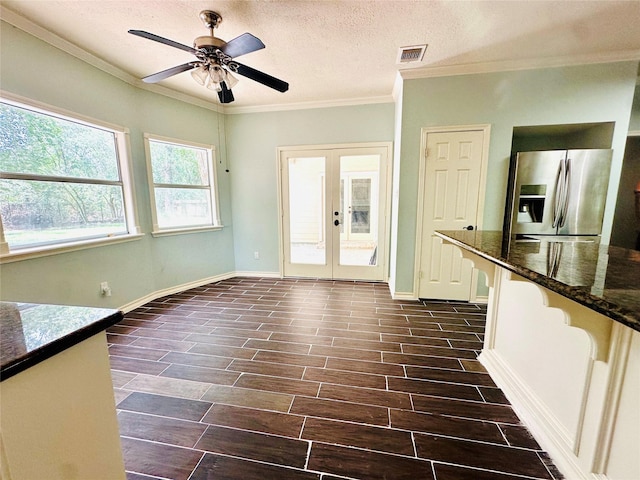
x,y
411,54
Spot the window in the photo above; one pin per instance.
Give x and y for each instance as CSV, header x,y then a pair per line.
x,y
63,179
182,185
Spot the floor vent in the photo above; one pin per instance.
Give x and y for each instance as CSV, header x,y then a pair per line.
x,y
411,54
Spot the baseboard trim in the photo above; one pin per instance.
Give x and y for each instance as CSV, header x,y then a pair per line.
x,y
258,274
480,299
186,286
551,436
403,296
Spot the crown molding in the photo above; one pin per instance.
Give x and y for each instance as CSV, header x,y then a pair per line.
x,y
66,46
310,105
519,64
60,43
56,41
183,97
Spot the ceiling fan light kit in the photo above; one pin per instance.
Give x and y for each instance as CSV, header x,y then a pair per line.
x,y
215,60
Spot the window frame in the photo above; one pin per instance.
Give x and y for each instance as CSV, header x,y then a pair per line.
x,y
123,159
212,188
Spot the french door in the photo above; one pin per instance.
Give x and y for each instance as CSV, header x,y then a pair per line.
x,y
334,211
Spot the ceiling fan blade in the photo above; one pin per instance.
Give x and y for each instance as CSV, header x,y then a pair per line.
x,y
166,41
245,43
259,76
225,95
169,72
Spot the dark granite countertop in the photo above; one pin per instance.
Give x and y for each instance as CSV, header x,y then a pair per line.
x,y
600,277
32,333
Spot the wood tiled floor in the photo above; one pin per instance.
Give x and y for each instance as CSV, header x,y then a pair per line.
x,y
300,379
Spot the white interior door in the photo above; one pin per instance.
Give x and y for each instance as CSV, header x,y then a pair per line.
x,y
453,164
334,204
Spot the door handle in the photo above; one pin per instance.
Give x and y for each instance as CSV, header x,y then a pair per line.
x,y
336,222
468,227
558,194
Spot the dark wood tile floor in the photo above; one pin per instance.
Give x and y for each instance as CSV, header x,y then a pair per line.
x,y
300,379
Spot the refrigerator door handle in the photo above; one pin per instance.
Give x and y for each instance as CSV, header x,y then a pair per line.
x,y
566,193
557,195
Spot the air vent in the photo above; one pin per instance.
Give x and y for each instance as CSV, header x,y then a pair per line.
x,y
411,54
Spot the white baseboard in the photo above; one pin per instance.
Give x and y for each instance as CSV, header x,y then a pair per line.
x,y
171,290
549,433
403,296
186,286
480,299
258,274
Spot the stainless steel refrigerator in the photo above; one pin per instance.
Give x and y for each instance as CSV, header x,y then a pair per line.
x,y
558,192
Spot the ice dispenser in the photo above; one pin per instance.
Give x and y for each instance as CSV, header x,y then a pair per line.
x,y
531,203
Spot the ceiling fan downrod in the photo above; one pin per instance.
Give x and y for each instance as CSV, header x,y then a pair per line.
x,y
210,42
210,19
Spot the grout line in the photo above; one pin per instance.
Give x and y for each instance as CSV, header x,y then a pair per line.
x,y
481,395
503,435
304,422
196,465
433,469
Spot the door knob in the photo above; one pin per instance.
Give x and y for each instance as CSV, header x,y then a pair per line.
x,y
336,222
468,227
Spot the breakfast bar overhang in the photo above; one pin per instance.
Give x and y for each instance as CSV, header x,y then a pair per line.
x,y
563,342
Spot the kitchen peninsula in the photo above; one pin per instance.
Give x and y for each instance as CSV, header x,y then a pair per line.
x,y
577,389
57,415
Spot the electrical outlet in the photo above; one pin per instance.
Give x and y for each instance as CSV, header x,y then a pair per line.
x,y
105,289
256,255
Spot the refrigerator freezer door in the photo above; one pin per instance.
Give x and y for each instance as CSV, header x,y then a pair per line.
x,y
535,192
588,181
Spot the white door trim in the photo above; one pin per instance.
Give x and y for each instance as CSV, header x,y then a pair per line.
x,y
486,130
383,255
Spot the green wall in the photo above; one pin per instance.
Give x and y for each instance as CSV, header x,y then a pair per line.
x,y
36,70
581,94
252,140
138,268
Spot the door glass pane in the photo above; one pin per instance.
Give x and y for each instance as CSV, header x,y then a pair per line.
x,y
341,207
359,242
307,236
360,205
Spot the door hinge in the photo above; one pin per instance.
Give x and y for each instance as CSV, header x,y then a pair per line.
x,y
421,274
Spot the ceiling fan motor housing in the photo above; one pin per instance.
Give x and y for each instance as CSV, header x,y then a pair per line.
x,y
208,42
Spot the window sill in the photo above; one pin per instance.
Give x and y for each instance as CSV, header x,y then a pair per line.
x,y
181,231
28,253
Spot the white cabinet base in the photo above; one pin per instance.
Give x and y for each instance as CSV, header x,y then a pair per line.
x,y
581,405
58,418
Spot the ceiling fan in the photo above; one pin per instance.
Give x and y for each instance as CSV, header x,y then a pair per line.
x,y
215,62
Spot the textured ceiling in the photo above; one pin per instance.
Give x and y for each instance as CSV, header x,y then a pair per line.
x,y
340,51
